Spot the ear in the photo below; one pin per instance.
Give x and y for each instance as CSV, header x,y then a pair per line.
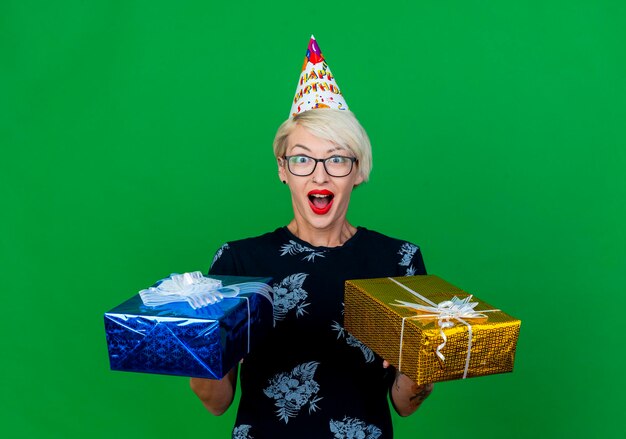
x,y
358,180
282,170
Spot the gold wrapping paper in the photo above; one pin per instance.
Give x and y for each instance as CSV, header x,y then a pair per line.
x,y
371,317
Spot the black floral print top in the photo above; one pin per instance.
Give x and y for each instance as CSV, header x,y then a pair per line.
x,y
311,378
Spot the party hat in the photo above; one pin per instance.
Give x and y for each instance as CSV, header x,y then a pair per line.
x,y
317,87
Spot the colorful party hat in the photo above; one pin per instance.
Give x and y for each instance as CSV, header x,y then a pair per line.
x,y
317,87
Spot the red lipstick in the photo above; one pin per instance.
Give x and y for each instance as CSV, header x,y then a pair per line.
x,y
320,201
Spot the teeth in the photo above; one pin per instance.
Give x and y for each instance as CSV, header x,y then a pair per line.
x,y
319,195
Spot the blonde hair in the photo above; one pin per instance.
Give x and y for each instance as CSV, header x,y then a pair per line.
x,y
337,126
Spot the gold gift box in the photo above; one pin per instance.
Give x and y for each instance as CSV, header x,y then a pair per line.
x,y
409,340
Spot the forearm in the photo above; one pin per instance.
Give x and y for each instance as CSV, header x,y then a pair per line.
x,y
408,396
216,395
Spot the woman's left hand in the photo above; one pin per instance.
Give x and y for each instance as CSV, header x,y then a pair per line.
x,y
406,395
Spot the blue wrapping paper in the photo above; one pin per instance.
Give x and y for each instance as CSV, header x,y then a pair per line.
x,y
175,339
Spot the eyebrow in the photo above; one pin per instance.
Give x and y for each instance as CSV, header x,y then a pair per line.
x,y
297,145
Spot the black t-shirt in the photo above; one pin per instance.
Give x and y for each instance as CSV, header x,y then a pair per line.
x,y
310,378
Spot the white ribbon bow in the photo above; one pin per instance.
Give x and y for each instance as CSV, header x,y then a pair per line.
x,y
199,291
192,288
455,308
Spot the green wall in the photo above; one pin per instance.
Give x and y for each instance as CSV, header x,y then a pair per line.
x,y
135,138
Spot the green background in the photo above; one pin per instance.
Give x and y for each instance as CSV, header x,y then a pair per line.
x,y
136,138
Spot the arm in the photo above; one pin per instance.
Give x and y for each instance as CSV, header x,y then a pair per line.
x,y
407,396
216,395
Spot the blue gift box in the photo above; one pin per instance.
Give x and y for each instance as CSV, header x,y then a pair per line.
x,y
176,339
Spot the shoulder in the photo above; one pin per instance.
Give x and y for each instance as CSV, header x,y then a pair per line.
x,y
252,247
405,256
257,242
371,237
241,257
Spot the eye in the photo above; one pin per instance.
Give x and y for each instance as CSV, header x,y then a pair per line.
x,y
338,160
299,159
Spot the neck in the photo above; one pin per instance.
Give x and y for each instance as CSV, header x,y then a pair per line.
x,y
333,236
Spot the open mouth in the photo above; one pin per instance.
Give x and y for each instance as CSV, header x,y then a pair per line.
x,y
320,201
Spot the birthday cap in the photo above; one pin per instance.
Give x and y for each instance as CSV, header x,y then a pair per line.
x,y
317,87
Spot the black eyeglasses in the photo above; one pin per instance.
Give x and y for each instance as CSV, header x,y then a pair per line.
x,y
336,166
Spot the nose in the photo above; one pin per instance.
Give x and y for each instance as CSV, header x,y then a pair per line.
x,y
319,174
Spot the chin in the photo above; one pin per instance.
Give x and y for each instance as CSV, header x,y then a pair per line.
x,y
325,221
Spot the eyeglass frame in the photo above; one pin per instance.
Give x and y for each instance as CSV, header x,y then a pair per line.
x,y
353,160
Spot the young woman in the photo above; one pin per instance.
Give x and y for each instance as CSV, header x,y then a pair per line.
x,y
312,379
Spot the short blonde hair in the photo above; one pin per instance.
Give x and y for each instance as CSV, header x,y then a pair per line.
x,y
337,126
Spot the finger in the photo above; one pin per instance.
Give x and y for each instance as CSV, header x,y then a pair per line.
x,y
386,364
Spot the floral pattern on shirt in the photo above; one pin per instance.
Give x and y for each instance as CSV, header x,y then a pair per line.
x,y
242,432
289,294
293,248
351,340
219,252
407,251
352,428
293,390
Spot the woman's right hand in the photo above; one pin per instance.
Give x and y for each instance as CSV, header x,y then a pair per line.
x,y
216,395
